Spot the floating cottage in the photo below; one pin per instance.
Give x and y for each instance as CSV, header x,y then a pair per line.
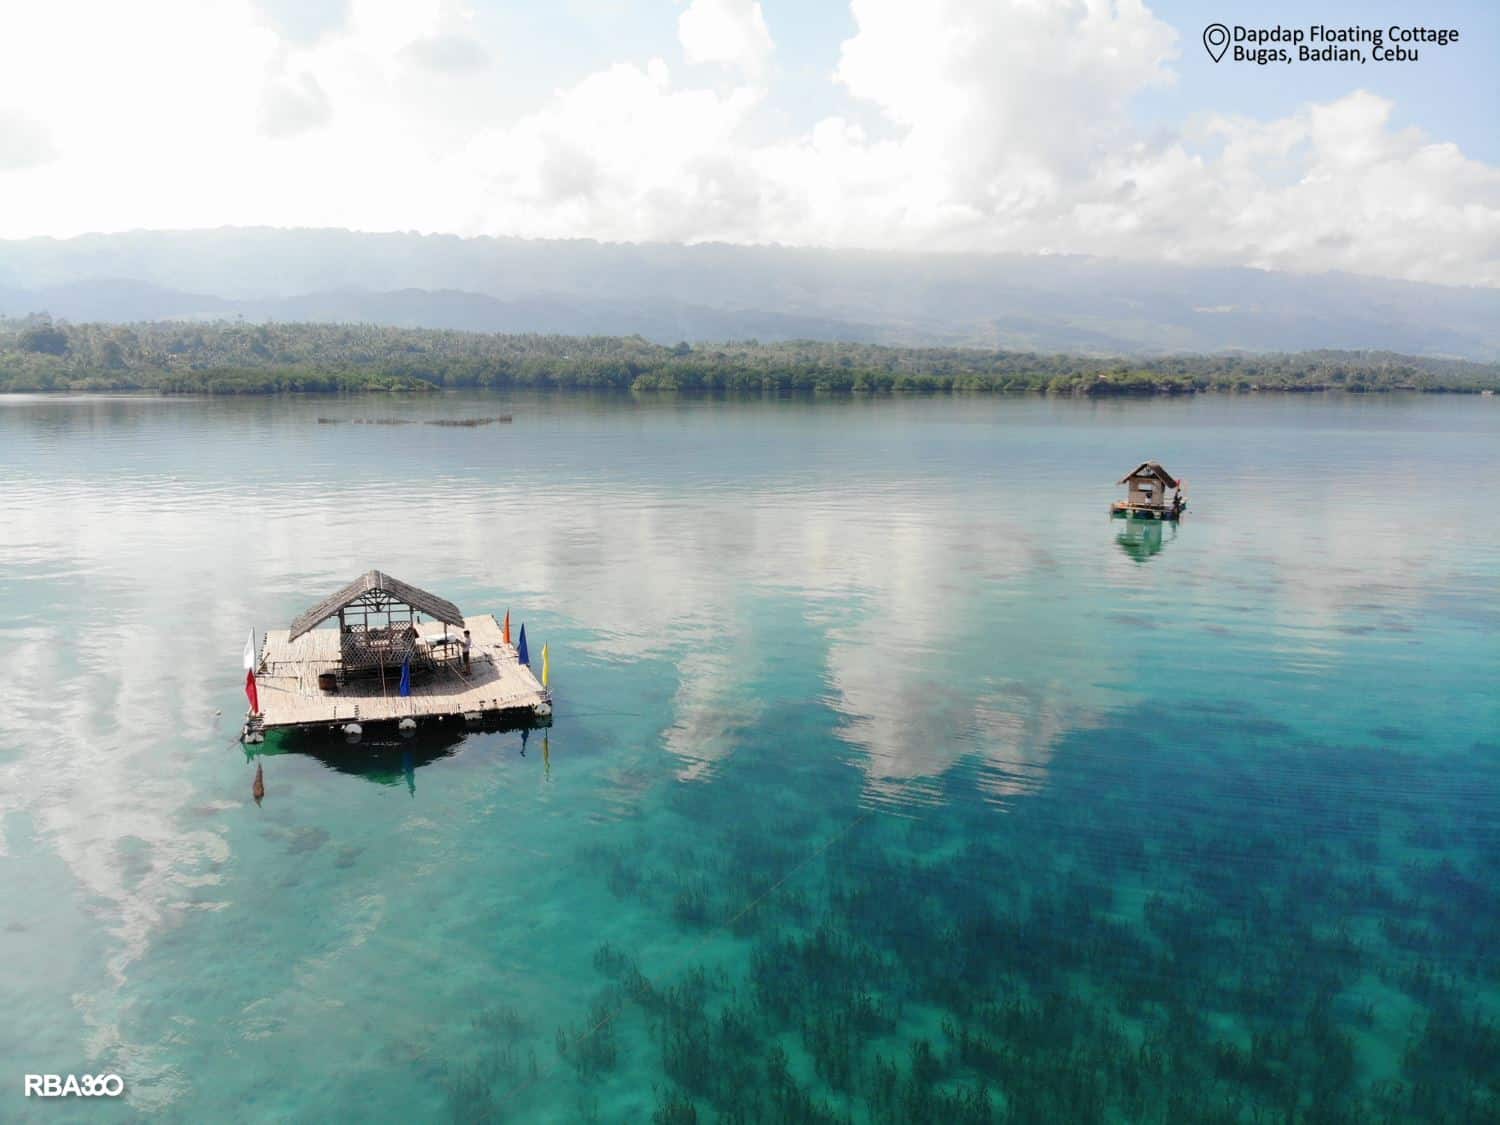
x,y
392,654
1148,497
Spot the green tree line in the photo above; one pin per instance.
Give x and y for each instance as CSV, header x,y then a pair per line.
x,y
38,353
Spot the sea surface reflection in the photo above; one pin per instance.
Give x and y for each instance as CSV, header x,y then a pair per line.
x,y
890,778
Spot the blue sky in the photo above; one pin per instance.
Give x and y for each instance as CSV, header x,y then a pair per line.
x,y
1031,126
1456,96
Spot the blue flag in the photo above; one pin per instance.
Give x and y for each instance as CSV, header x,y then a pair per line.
x,y
521,647
406,676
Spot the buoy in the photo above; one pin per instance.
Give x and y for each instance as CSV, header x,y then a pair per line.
x,y
407,724
354,730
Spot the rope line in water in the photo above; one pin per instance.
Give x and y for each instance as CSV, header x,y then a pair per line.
x,y
517,1091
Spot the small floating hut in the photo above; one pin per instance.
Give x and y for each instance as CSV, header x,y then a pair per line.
x,y
391,653
1147,497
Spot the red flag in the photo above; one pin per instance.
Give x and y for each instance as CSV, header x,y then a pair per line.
x,y
250,692
507,627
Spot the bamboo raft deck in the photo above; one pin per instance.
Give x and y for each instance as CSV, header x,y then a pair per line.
x,y
1145,511
496,686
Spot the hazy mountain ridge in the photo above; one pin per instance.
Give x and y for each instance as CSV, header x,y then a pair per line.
x,y
716,292
663,321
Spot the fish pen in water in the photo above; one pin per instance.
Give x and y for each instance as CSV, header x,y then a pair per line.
x,y
397,655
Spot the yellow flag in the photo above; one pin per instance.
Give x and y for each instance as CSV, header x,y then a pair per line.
x,y
546,668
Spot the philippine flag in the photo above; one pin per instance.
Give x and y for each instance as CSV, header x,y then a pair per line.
x,y
250,692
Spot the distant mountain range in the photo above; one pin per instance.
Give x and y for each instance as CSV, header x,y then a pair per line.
x,y
708,292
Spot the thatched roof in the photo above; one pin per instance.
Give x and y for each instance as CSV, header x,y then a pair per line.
x,y
440,609
1149,469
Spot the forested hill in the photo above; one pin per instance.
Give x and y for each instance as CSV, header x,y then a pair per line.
x,y
1052,303
39,354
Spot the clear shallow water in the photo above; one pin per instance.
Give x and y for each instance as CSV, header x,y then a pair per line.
x,y
890,780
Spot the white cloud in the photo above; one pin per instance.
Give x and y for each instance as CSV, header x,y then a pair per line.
x,y
624,150
304,21
24,142
981,81
732,32
292,105
1007,128
980,125
447,54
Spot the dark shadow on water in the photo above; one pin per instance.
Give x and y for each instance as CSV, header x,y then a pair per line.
x,y
1143,540
386,758
393,758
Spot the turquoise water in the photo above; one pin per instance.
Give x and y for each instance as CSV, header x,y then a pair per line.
x,y
891,780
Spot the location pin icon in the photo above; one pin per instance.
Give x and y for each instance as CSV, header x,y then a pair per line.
x,y
1216,40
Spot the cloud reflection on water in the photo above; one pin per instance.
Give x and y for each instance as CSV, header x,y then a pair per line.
x,y
959,617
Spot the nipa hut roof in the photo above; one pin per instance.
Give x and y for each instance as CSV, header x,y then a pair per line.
x,y
1150,469
440,609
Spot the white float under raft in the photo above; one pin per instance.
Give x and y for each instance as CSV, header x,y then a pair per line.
x,y
399,656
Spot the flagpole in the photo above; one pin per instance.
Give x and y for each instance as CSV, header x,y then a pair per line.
x,y
250,690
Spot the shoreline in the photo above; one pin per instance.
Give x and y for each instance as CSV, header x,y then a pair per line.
x,y
795,393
